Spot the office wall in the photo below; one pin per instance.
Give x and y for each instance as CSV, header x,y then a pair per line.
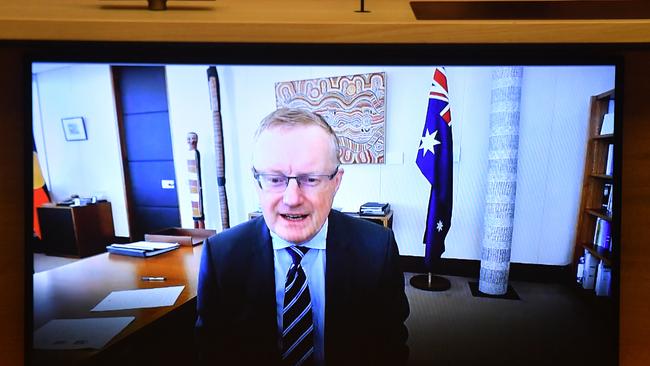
x,y
552,148
190,111
86,168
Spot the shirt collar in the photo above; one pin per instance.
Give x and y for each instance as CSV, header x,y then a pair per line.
x,y
317,242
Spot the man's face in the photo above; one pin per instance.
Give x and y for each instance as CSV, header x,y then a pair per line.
x,y
296,214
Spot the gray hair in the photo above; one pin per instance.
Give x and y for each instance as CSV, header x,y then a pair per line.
x,y
293,117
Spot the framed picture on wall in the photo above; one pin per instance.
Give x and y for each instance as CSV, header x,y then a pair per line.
x,y
74,129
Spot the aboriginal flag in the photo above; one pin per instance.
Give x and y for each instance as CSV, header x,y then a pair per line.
x,y
41,194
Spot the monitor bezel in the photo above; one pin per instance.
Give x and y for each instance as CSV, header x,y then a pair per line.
x,y
157,53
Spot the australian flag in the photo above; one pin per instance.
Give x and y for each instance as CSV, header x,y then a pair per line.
x,y
435,160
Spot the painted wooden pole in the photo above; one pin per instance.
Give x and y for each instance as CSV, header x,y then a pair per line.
x,y
215,102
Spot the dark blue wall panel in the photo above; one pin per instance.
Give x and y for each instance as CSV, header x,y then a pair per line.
x,y
151,219
144,89
146,184
143,96
148,136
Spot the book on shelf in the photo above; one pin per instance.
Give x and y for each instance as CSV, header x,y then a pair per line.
x,y
607,127
606,201
609,167
602,235
142,248
608,208
597,230
605,235
374,208
611,104
581,270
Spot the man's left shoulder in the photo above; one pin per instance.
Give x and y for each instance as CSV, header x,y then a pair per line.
x,y
357,228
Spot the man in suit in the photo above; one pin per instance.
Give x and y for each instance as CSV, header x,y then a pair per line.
x,y
302,284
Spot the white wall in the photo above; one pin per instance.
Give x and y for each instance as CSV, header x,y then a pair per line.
x,y
189,111
552,148
86,168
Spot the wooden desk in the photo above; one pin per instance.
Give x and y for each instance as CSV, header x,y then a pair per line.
x,y
163,333
384,220
290,21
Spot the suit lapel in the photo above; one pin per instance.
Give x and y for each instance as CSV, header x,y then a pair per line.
x,y
338,266
261,305
261,279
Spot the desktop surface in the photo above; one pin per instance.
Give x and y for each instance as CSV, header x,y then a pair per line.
x,y
292,21
71,291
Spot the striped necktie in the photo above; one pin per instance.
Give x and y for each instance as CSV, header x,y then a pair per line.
x,y
297,324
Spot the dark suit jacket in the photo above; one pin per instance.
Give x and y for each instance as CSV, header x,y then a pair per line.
x,y
365,303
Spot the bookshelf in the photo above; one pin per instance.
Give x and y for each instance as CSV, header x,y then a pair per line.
x,y
594,241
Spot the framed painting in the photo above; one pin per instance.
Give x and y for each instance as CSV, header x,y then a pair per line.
x,y
74,129
353,105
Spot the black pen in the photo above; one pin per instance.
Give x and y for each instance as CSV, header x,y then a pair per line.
x,y
149,278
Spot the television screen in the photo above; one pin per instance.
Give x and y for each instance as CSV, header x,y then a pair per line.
x,y
520,156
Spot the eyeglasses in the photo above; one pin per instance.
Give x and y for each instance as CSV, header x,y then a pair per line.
x,y
276,183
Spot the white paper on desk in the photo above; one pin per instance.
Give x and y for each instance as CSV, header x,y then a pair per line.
x,y
146,245
144,298
79,333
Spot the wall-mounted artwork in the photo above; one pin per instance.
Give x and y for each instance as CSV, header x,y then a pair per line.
x,y
74,129
353,105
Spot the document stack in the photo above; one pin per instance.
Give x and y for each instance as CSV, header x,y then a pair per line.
x,y
142,248
589,271
374,209
603,286
594,274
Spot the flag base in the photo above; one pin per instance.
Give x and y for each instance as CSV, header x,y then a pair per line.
x,y
511,294
430,282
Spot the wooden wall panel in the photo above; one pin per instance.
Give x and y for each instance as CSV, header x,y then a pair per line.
x,y
322,21
12,210
635,218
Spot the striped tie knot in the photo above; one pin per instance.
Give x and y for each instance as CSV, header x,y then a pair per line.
x,y
297,253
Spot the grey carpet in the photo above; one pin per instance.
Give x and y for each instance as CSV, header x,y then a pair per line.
x,y
552,324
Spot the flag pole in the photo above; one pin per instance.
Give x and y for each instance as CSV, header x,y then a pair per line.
x,y
435,161
430,282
